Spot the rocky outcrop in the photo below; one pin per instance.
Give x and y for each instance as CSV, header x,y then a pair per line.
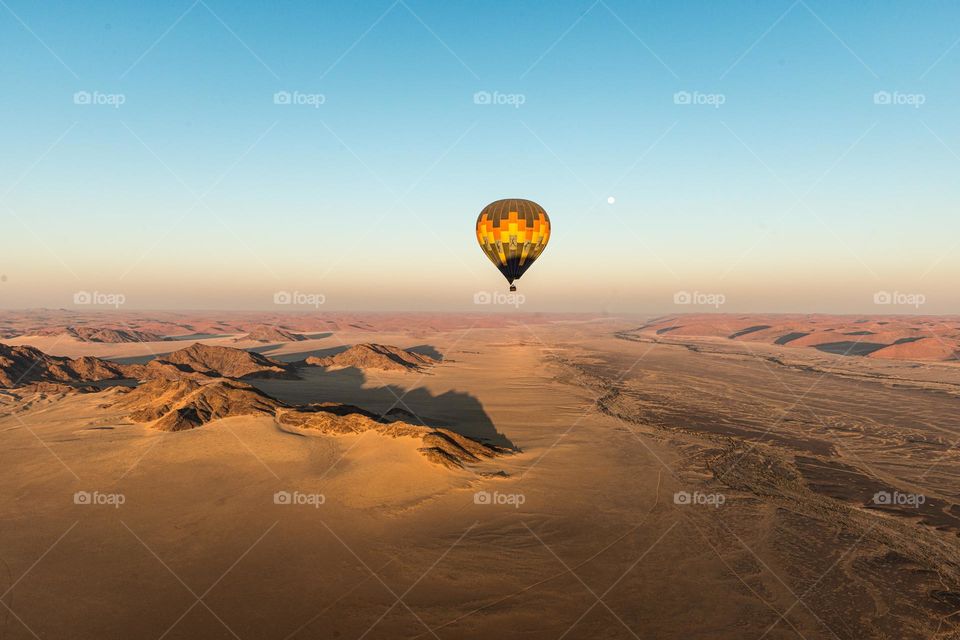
x,y
178,405
200,360
23,365
439,445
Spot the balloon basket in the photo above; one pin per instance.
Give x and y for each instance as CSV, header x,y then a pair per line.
x,y
513,287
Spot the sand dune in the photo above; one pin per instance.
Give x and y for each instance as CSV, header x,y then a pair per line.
x,y
890,337
920,348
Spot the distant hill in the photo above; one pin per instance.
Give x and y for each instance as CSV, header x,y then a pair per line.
x,y
272,334
113,336
374,356
211,361
24,365
916,338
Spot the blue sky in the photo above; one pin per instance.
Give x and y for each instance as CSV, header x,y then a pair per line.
x,y
798,193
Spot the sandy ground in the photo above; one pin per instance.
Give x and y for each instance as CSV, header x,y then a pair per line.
x,y
589,536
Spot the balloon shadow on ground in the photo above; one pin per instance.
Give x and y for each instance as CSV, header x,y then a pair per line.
x,y
457,411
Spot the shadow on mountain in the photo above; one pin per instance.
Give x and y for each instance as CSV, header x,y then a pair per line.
x,y
427,350
144,359
264,348
457,411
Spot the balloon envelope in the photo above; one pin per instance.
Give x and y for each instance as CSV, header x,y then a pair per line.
x,y
513,233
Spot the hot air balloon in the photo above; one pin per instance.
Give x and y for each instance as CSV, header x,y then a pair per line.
x,y
513,233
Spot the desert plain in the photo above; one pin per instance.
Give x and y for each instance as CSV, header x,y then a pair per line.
x,y
205,475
